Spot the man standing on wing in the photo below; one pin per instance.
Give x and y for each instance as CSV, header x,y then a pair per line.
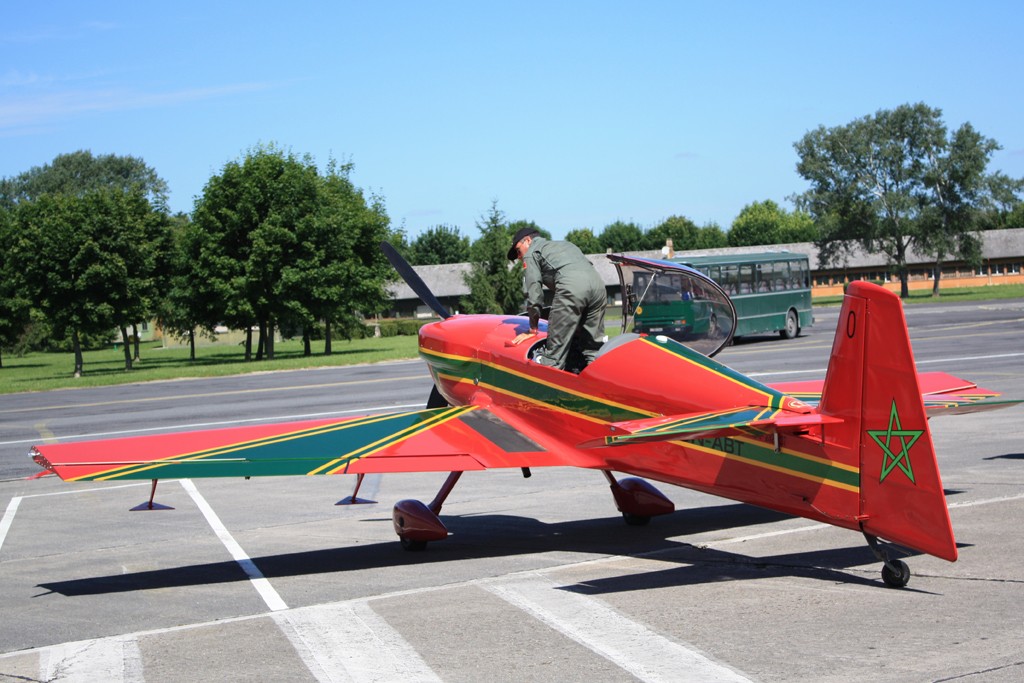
x,y
577,309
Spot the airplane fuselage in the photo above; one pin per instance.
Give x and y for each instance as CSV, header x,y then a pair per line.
x,y
643,377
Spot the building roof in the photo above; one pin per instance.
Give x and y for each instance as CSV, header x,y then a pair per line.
x,y
448,280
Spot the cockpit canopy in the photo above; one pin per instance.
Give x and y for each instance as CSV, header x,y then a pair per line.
x,y
670,299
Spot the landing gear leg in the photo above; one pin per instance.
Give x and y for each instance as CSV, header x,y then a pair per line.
x,y
354,499
151,505
638,500
895,573
416,523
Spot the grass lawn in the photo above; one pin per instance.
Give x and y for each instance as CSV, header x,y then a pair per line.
x,y
951,295
44,371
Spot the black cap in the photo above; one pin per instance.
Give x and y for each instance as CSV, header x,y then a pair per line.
x,y
520,234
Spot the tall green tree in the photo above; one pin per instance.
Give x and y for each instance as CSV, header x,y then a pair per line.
x,y
1001,205
873,185
74,269
249,216
952,204
710,236
275,243
14,302
340,273
494,285
188,305
585,239
82,171
140,244
620,236
680,229
439,245
122,203
768,223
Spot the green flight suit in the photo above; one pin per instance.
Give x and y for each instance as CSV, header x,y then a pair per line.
x,y
577,309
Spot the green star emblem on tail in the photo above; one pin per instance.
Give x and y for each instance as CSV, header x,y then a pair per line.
x,y
884,438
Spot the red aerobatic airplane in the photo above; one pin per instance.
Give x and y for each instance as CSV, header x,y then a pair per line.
x,y
853,450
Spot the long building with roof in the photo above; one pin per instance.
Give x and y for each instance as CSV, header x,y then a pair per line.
x,y
1002,263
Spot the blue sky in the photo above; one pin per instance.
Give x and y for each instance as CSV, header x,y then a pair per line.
x,y
569,114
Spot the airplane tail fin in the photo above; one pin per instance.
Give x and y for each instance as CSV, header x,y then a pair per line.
x,y
872,386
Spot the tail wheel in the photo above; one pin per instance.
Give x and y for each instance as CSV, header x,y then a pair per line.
x,y
895,573
792,328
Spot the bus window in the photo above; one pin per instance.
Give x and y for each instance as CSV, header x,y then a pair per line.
x,y
746,279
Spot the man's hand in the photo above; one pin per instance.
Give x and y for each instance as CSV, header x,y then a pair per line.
x,y
520,338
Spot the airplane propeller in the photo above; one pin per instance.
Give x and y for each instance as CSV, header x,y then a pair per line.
x,y
414,281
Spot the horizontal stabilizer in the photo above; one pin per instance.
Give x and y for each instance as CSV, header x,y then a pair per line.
x,y
708,424
942,394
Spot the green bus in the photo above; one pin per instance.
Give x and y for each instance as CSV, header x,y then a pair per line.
x,y
770,290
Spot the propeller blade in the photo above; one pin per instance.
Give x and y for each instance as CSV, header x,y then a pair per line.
x,y
414,281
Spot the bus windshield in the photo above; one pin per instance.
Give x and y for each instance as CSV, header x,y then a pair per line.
x,y
664,298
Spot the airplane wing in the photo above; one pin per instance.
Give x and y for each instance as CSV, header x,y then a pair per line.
x,y
942,394
441,439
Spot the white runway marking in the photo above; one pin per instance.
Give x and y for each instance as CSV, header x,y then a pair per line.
x,y
821,371
256,578
768,534
629,645
223,423
8,519
985,501
109,659
351,642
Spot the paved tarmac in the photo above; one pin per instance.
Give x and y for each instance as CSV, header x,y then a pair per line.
x,y
267,579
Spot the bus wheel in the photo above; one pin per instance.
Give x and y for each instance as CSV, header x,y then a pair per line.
x,y
792,327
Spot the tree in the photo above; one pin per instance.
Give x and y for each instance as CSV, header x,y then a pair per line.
x,y
139,241
128,222
494,286
340,273
1001,204
681,230
72,268
710,236
276,244
798,227
619,237
187,305
955,185
768,223
250,217
873,184
14,304
585,239
80,172
439,245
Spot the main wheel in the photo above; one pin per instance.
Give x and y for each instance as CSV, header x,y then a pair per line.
x,y
792,328
636,520
411,545
895,573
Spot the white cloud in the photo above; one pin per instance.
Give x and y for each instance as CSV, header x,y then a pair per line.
x,y
40,108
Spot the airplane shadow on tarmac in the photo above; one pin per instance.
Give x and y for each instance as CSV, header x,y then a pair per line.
x,y
486,536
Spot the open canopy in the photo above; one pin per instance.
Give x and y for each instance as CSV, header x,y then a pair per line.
x,y
670,299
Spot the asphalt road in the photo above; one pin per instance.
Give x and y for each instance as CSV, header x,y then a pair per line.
x,y
267,580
